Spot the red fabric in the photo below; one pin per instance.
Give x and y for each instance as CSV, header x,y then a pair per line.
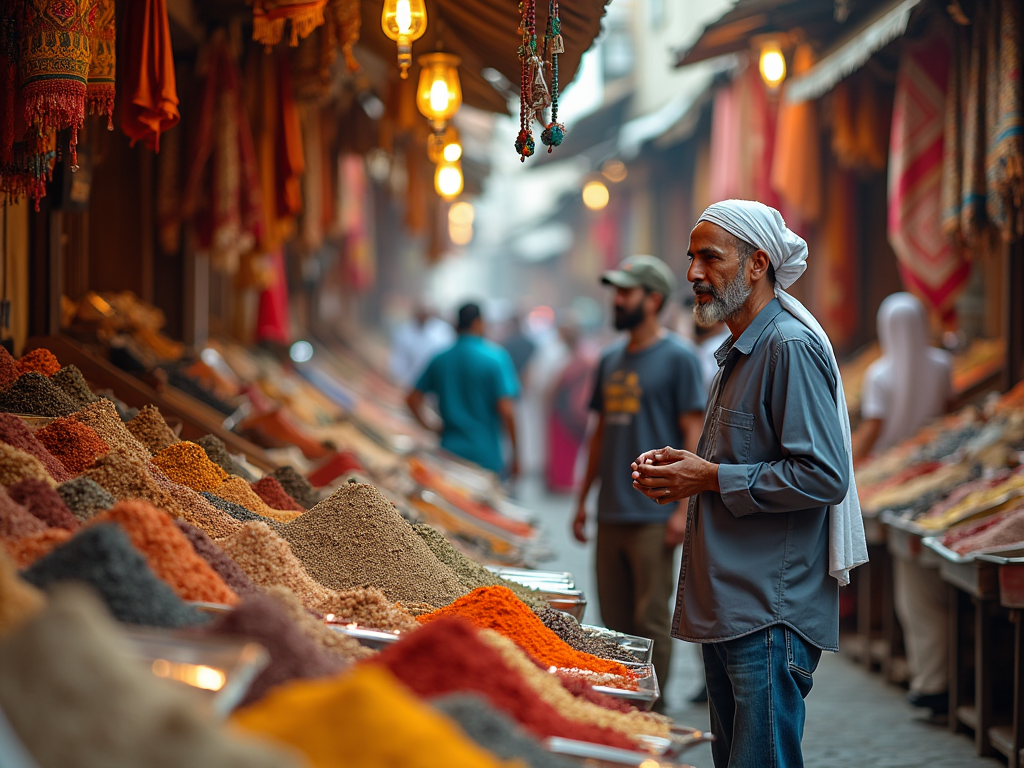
x,y
272,321
149,99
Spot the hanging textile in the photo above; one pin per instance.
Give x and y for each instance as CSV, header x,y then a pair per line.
x,y
929,265
311,66
290,159
839,303
272,315
1004,163
10,46
311,228
861,119
149,99
724,183
343,24
796,163
269,18
99,94
54,65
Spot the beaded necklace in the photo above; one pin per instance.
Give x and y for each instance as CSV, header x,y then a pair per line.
x,y
525,144
553,46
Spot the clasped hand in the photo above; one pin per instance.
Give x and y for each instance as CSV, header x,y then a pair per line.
x,y
668,475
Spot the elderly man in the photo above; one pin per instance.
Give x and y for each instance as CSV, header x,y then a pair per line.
x,y
774,525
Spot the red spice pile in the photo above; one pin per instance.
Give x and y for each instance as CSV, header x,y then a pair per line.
x,y
28,549
16,433
275,496
582,689
8,368
446,656
76,444
499,609
45,503
39,360
167,551
15,520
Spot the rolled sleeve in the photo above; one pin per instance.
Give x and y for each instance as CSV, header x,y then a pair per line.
x,y
734,482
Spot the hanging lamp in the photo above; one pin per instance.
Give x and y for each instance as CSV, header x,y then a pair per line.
x,y
446,146
439,94
448,180
404,21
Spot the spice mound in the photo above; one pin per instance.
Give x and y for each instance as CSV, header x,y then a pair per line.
x,y
85,498
16,465
76,696
102,416
470,573
16,521
150,429
499,609
103,557
168,552
296,486
40,360
75,444
196,510
187,463
71,380
292,654
356,537
567,628
126,478
237,511
19,600
496,732
16,433
366,716
43,501
28,549
217,559
36,395
8,368
268,561
236,490
218,454
448,656
274,495
332,642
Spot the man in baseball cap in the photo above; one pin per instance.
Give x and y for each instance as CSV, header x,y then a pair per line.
x,y
649,389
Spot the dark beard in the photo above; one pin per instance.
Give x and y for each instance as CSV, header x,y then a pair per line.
x,y
626,320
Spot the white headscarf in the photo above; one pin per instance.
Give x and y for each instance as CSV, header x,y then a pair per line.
x,y
764,228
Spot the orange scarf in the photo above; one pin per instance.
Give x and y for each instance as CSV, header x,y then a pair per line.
x,y
149,102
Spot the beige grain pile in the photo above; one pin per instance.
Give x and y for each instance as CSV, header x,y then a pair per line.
x,y
334,643
17,465
102,417
150,429
125,478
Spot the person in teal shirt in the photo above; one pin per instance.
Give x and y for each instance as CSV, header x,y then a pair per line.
x,y
476,386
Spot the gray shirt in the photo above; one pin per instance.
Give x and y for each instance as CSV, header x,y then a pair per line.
x,y
641,395
757,553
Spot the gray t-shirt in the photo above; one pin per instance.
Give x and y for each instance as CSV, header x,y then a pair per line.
x,y
642,396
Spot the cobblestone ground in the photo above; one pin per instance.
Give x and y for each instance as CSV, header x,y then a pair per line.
x,y
854,720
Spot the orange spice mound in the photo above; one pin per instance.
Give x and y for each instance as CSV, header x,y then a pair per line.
x,y
188,464
499,609
236,490
76,445
39,360
28,549
168,552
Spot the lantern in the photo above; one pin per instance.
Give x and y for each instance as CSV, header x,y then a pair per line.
x,y
772,65
445,147
595,195
404,21
448,180
439,94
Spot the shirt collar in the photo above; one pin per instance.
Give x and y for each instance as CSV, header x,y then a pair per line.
x,y
748,339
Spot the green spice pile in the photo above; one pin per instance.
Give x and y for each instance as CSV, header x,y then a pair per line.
x,y
71,380
296,486
218,454
102,416
36,395
150,429
75,444
356,537
567,628
15,432
18,465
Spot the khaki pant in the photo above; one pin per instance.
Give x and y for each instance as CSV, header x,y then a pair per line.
x,y
922,606
635,587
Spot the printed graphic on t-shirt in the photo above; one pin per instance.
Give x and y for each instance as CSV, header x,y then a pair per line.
x,y
622,394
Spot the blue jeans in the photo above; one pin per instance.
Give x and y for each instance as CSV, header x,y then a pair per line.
x,y
756,690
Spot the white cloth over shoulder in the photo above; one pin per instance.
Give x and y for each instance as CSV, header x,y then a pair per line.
x,y
764,228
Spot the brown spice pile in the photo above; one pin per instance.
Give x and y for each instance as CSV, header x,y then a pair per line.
x,y
18,465
168,552
570,631
218,454
357,538
74,443
102,416
274,495
16,521
15,432
127,478
268,561
36,395
196,510
236,490
71,380
8,368
296,486
334,643
217,559
28,549
187,463
39,360
19,600
150,429
43,501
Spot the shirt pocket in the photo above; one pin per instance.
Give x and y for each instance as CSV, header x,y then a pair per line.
x,y
733,436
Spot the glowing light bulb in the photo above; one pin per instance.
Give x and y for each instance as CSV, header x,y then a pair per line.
x,y
595,195
452,152
439,96
448,181
403,17
772,65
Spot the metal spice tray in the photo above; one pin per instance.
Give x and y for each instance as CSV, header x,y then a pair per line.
x,y
371,638
571,601
661,750
647,691
535,579
966,572
1011,575
641,647
221,667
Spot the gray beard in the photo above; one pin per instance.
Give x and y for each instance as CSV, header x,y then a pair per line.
x,y
723,306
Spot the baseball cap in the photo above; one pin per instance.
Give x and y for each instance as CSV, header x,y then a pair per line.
x,y
642,271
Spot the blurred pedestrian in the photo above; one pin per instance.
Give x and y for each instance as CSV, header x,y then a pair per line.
x,y
648,390
568,410
415,343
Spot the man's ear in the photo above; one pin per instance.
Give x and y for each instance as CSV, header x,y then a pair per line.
x,y
759,262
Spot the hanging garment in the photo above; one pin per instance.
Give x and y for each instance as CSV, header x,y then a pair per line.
x,y
269,18
149,101
796,164
99,94
929,265
1004,162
